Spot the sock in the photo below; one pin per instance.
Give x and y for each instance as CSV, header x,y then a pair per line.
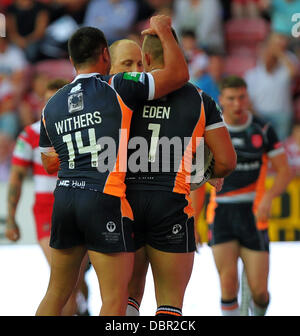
x,y
82,304
168,310
133,307
230,307
259,310
246,297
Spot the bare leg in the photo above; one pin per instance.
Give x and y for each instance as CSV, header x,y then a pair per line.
x,y
114,272
65,266
171,274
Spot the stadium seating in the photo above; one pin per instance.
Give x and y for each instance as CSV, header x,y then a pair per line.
x,y
238,64
244,36
56,68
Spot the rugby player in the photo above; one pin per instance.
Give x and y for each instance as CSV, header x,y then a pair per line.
x,y
238,214
163,216
26,155
90,209
125,56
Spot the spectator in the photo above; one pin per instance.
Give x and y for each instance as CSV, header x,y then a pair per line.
x,y
292,146
204,17
269,84
281,12
245,8
8,128
12,66
196,58
209,80
33,102
27,21
114,17
6,149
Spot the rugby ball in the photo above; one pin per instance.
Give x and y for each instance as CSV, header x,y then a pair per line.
x,y
197,179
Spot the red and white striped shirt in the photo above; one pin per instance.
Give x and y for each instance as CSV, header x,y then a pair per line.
x,y
27,154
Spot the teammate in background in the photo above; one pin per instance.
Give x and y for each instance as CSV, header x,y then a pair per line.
x,y
125,56
27,155
239,213
90,209
163,217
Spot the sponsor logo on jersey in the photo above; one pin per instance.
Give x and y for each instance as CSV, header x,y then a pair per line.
x,y
134,76
76,88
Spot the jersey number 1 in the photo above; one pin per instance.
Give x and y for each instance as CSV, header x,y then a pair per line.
x,y
93,148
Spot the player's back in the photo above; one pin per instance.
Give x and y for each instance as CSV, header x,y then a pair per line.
x,y
170,126
75,118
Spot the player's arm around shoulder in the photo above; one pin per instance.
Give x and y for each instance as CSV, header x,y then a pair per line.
x,y
175,72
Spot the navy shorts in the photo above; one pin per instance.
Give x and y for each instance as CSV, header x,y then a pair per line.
x,y
236,221
163,220
99,221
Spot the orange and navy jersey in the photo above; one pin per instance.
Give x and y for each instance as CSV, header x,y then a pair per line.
x,y
254,142
89,109
170,128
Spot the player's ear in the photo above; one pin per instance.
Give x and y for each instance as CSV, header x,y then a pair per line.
x,y
106,55
71,60
147,58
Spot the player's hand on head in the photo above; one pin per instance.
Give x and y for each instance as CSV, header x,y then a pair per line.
x,y
157,22
12,231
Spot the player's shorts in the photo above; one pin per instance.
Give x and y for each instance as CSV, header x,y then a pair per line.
x,y
234,221
42,211
162,219
88,217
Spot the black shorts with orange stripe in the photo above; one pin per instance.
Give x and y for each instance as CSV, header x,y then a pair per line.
x,y
236,221
163,220
85,216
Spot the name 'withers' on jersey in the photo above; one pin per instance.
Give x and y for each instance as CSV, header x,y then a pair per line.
x,y
78,122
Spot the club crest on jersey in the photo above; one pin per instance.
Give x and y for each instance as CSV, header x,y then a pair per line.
x,y
75,102
256,140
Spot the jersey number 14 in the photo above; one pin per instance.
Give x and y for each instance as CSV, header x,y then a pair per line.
x,y
93,148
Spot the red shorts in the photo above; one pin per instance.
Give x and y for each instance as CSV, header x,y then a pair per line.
x,y
42,211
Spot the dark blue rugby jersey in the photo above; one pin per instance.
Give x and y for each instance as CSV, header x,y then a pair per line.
x,y
254,142
170,127
89,109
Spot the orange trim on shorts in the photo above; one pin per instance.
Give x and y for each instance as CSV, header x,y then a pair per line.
x,y
115,181
260,191
126,210
189,208
181,184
